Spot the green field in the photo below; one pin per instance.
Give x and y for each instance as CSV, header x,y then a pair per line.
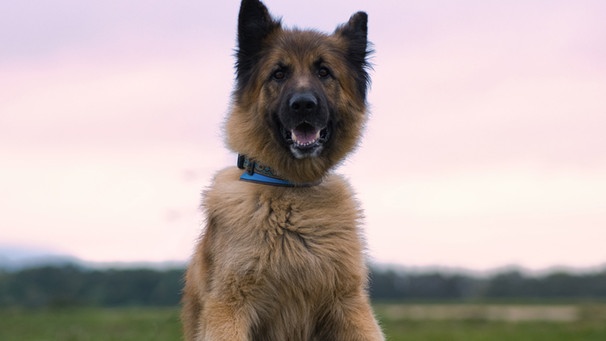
x,y
504,322
568,322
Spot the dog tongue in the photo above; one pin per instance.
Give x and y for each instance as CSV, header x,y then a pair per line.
x,y
305,135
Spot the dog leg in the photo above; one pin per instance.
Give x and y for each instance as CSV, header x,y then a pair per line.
x,y
223,323
352,320
190,317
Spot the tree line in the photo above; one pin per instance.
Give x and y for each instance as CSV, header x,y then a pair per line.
x,y
73,285
509,284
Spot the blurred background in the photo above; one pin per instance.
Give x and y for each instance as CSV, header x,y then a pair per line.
x,y
484,155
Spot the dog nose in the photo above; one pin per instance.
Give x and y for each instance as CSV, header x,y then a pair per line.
x,y
303,103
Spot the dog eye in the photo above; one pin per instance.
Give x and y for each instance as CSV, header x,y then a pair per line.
x,y
279,75
323,72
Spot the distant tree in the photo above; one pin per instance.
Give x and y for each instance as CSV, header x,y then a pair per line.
x,y
390,285
508,284
45,286
52,286
72,285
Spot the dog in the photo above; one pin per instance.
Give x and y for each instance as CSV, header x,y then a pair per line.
x,y
281,256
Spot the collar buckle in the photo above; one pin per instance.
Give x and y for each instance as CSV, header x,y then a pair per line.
x,y
247,164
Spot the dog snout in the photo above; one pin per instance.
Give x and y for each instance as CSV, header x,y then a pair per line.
x,y
303,103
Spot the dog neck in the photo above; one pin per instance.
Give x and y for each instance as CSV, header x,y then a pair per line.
x,y
261,174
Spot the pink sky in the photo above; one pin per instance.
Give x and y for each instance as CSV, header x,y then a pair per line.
x,y
485,148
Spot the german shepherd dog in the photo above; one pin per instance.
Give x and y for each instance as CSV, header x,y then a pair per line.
x,y
281,256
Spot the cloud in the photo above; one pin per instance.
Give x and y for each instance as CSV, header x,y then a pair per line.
x,y
37,29
115,102
485,136
507,86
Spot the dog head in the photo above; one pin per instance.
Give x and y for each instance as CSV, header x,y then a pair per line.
x,y
299,104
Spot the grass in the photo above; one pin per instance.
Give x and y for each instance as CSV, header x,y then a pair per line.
x,y
400,322
84,324
493,331
503,322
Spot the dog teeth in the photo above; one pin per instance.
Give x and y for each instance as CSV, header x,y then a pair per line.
x,y
305,138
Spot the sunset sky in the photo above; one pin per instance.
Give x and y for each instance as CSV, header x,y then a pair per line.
x,y
486,144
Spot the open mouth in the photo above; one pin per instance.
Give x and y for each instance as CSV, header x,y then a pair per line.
x,y
306,140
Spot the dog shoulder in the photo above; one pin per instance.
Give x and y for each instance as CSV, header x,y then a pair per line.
x,y
341,190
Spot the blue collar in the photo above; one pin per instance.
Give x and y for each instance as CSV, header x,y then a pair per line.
x,y
258,173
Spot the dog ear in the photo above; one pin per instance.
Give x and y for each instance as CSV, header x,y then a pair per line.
x,y
254,25
355,33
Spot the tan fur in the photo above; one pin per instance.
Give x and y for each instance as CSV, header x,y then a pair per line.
x,y
279,263
284,263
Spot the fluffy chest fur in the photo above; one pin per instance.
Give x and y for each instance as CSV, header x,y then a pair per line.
x,y
285,236
285,257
